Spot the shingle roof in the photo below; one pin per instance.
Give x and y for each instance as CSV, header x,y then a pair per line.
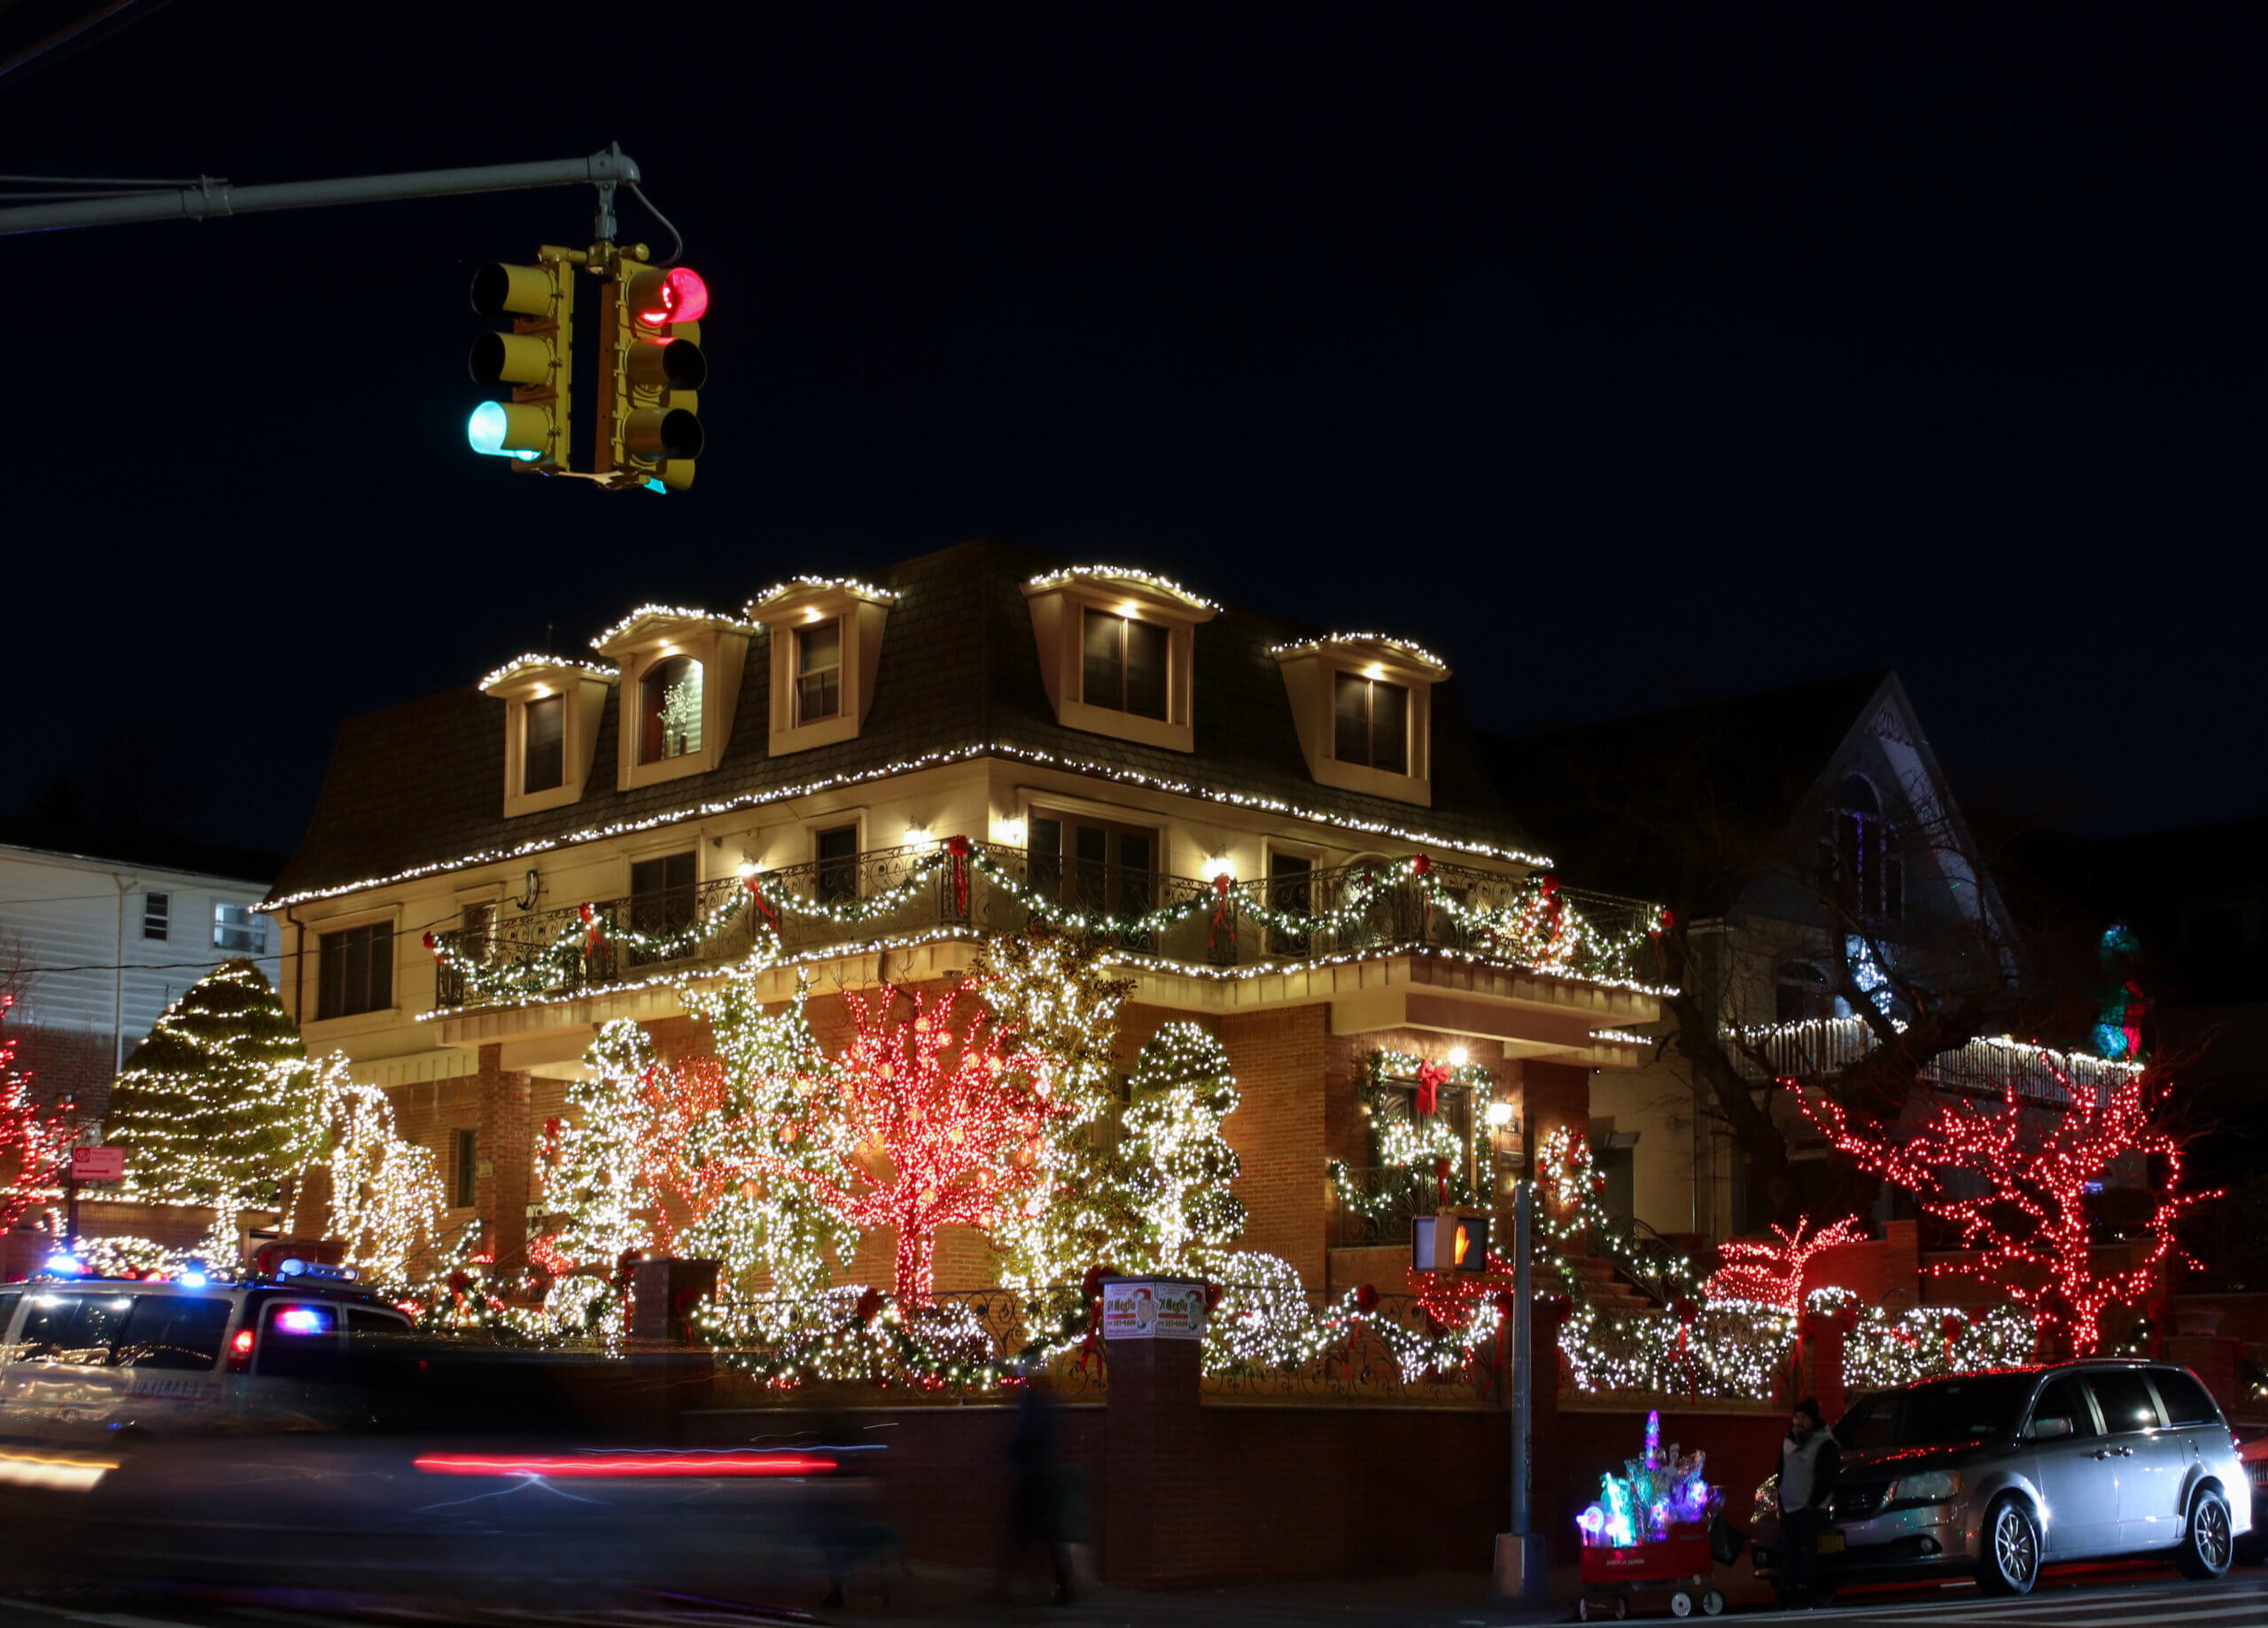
x,y
421,785
1683,805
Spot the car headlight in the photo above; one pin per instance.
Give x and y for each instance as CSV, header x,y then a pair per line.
x,y
1930,1486
1766,1507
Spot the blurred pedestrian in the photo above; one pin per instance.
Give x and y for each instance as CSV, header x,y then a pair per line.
x,y
844,1508
1036,1513
1810,1460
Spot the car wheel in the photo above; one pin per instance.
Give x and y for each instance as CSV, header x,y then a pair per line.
x,y
2206,1546
2010,1562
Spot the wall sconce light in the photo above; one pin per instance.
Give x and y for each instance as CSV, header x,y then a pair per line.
x,y
1500,1114
1219,865
919,837
1009,831
1459,1057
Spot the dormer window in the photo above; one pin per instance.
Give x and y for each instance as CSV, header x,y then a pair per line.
x,y
1372,723
680,682
1117,651
827,647
669,709
1363,707
1123,664
818,671
543,747
552,708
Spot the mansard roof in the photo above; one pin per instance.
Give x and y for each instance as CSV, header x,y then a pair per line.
x,y
417,789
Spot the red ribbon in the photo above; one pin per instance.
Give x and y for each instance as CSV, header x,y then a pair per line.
x,y
595,937
1441,1179
1220,908
1431,1078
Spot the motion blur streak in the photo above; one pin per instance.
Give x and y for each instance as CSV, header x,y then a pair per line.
x,y
613,1465
61,1474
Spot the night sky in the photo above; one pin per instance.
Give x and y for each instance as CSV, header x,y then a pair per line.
x,y
1623,366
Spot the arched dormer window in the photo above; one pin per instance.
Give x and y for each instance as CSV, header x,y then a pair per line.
x,y
669,709
1869,875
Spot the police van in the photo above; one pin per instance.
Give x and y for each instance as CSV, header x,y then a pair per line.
x,y
99,1356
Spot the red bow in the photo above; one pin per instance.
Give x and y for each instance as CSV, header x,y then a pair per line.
x,y
1441,1179
1431,1078
1220,908
595,937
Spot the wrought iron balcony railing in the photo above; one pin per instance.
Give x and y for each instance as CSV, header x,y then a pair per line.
x,y
993,888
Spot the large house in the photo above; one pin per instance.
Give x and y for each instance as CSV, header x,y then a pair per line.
x,y
1083,740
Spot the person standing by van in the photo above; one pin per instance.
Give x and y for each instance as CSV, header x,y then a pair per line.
x,y
1809,1462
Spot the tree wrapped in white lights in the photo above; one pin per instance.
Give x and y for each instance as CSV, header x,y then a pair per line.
x,y
386,1198
220,1105
593,1178
1178,1167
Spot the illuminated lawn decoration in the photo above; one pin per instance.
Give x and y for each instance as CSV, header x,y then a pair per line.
x,y
1658,1490
35,1137
2014,1179
1773,1273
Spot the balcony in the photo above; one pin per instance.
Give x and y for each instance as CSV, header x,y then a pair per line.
x,y
986,887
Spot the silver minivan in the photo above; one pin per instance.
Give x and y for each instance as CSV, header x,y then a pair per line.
x,y
96,1357
2000,1473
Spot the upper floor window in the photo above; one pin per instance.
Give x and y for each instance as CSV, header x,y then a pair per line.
x,y
1372,723
355,966
1291,889
236,927
552,709
1869,875
837,850
1123,664
543,757
156,916
1801,991
669,709
1118,652
818,671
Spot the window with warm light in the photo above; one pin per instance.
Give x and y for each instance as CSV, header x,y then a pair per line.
x,y
543,747
1123,664
1371,722
669,710
818,671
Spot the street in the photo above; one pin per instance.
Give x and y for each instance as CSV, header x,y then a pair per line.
x,y
2123,1598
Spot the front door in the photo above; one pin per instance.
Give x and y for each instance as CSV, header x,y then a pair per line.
x,y
2152,1462
2078,1484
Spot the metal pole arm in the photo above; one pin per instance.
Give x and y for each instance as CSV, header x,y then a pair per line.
x,y
208,197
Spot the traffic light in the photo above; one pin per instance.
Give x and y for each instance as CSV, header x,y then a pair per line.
x,y
649,393
532,359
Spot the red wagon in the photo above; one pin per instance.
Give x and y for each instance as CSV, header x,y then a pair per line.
x,y
1681,1563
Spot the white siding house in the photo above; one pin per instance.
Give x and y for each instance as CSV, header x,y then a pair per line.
x,y
96,949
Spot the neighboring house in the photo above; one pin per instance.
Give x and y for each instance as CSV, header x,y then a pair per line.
x,y
100,932
1108,737
1808,837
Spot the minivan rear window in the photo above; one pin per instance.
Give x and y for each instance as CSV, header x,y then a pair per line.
x,y
2186,1400
173,1332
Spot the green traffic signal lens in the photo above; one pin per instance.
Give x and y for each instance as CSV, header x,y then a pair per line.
x,y
502,432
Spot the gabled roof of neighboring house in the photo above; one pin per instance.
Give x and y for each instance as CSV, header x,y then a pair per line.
x,y
1691,803
156,850
419,788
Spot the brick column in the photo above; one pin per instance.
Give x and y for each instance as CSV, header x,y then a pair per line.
x,y
502,1183
1823,1364
1152,1510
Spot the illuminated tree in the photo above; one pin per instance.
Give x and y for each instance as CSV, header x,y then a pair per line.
x,y
35,1137
1178,1166
595,1159
933,1116
1772,1274
2013,1180
386,1194
220,1105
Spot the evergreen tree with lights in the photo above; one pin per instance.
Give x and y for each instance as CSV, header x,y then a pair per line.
x,y
1177,1165
384,1194
220,1106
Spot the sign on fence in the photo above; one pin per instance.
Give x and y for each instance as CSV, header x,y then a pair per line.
x,y
98,1164
1153,1308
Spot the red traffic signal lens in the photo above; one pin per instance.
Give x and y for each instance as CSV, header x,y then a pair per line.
x,y
677,295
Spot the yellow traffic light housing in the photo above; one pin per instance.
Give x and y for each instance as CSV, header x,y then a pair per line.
x,y
654,369
534,358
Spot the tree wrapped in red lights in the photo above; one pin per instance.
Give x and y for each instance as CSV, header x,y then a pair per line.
x,y
933,1116
2034,1166
35,1137
1772,1274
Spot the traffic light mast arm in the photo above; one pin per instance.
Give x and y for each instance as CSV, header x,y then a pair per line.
x,y
207,196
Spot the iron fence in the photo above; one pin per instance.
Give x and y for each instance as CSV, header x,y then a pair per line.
x,y
995,888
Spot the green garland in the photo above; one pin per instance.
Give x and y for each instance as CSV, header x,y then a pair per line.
x,y
1537,928
1415,1144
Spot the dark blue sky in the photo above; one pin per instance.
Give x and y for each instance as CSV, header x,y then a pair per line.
x,y
1622,361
